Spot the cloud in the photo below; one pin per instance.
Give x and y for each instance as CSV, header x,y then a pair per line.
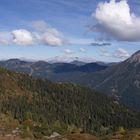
x,y
52,40
68,58
82,50
4,42
87,42
121,53
43,34
100,44
22,37
116,21
105,52
5,38
80,41
68,51
39,25
46,34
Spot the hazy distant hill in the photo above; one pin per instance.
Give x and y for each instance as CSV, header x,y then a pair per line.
x,y
78,63
44,69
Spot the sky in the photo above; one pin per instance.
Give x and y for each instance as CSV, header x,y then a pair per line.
x,y
63,30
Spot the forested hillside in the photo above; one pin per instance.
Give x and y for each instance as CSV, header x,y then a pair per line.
x,y
60,107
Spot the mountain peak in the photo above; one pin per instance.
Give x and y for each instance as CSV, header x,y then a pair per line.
x,y
135,58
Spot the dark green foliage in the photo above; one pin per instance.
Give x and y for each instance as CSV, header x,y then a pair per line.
x,y
58,106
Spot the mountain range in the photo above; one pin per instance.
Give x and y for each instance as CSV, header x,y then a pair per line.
x,y
120,80
44,69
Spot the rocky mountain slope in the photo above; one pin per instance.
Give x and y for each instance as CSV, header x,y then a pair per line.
x,y
121,80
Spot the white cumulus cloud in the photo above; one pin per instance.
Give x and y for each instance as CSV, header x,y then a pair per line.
x,y
51,39
46,34
22,37
116,20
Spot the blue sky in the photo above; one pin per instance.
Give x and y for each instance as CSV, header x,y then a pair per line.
x,y
43,29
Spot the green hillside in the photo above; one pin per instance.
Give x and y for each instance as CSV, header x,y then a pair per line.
x,y
44,107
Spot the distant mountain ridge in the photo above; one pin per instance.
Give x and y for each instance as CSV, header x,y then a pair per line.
x,y
121,80
44,69
78,63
